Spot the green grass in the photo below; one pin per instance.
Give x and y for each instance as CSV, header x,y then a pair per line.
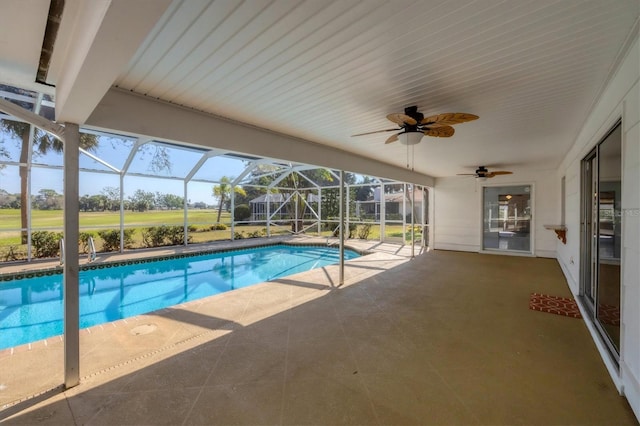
x,y
94,221
10,218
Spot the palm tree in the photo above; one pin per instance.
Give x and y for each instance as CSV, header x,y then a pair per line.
x,y
223,192
297,204
42,143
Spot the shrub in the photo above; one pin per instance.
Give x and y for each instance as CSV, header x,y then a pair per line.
x,y
350,234
46,243
364,231
241,212
111,239
156,236
238,235
192,228
175,235
257,234
218,227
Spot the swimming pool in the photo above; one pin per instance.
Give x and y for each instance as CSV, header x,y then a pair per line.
x,y
31,308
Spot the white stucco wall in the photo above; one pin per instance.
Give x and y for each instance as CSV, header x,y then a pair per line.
x,y
458,210
620,99
458,213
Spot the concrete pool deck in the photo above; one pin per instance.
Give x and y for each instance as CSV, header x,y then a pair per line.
x,y
445,338
167,327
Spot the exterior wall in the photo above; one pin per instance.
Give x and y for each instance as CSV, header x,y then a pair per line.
x,y
620,99
458,210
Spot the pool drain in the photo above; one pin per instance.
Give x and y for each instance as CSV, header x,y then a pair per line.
x,y
143,329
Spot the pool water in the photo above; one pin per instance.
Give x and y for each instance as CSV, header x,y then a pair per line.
x,y
31,309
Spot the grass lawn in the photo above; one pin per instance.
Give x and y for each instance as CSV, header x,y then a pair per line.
x,y
10,218
52,220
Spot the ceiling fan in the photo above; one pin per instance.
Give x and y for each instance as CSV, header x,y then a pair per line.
x,y
483,173
414,125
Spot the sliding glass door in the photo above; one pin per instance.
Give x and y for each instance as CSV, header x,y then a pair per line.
x,y
507,218
601,235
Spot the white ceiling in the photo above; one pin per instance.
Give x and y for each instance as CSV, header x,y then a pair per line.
x,y
324,70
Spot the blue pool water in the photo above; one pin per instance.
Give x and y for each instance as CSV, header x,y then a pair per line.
x,y
31,308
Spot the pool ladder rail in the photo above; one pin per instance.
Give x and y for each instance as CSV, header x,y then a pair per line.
x,y
91,256
336,243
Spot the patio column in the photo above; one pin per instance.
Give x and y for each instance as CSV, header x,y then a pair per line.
x,y
233,207
29,169
71,263
383,212
341,280
413,220
186,214
319,211
268,200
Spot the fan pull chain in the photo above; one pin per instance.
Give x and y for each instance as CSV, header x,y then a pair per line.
x,y
413,156
407,156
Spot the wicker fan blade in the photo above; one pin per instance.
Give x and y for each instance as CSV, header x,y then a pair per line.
x,y
440,131
377,131
402,119
448,118
501,172
392,138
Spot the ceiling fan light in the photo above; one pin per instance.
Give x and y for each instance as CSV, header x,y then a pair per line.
x,y
481,178
410,138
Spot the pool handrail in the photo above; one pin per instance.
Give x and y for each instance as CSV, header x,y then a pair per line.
x,y
91,256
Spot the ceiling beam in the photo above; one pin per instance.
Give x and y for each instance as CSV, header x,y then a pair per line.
x,y
96,41
132,114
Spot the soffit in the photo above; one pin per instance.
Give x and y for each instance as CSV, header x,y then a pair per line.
x,y
323,71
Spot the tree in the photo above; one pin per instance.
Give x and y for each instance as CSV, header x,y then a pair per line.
x,y
142,200
222,191
169,201
295,181
112,195
42,143
48,199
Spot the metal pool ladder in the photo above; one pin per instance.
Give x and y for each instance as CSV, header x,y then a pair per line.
x,y
92,250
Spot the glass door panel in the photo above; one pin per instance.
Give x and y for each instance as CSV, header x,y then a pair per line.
x,y
507,218
609,235
601,236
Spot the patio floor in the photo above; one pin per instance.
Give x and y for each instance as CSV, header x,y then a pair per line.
x,y
444,338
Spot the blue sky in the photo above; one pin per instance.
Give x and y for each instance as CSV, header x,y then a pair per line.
x,y
114,151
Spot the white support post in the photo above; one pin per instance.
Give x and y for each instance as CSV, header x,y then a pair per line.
x,y
341,280
404,213
233,207
319,211
413,220
29,169
346,215
295,219
121,212
71,264
186,213
268,200
383,212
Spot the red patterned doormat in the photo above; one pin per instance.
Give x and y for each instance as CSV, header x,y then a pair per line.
x,y
554,305
607,314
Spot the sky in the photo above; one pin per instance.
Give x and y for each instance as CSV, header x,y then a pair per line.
x,y
114,151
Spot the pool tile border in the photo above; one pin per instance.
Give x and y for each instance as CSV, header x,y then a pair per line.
x,y
15,276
